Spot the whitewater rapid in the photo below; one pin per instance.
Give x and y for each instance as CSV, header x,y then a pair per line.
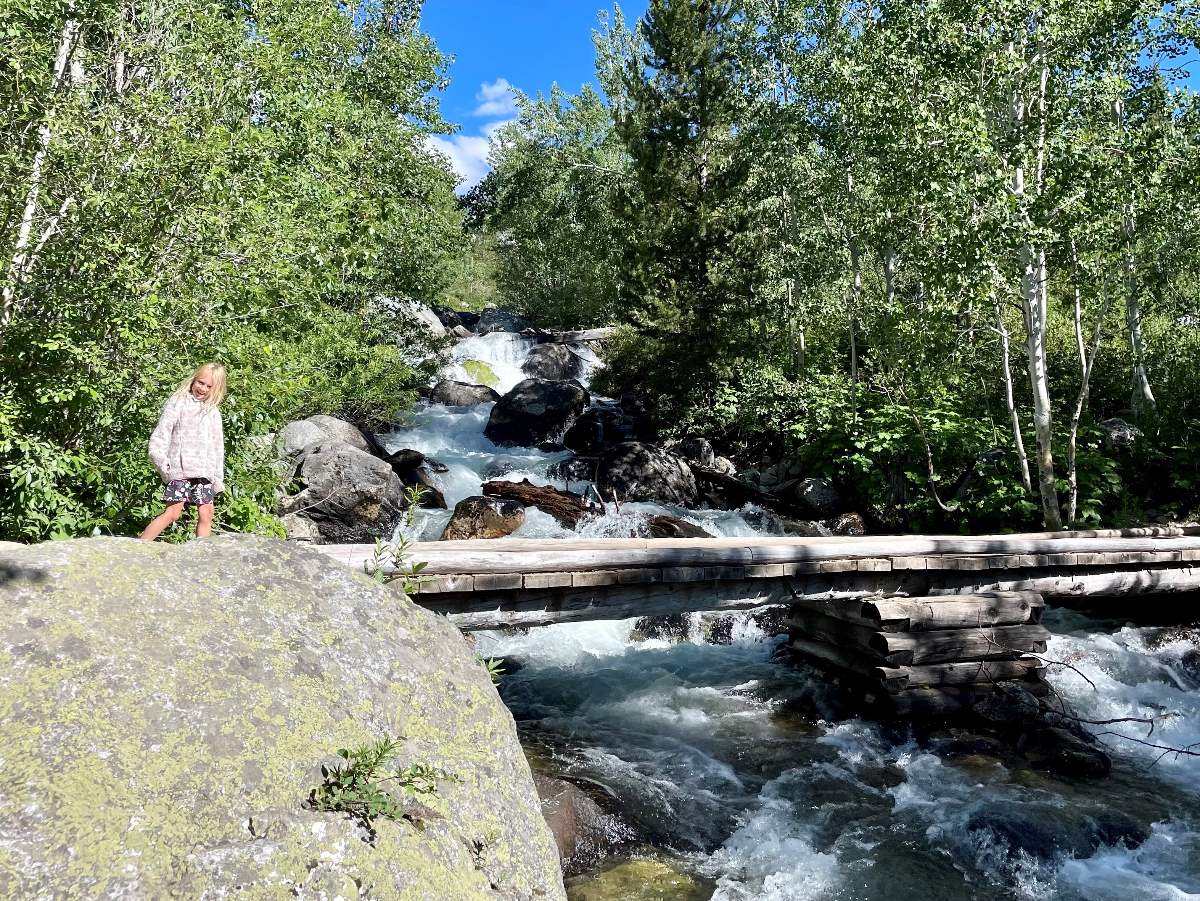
x,y
743,773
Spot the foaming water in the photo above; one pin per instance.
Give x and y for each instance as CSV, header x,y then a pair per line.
x,y
502,352
745,773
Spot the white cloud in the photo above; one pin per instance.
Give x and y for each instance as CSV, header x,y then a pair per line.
x,y
491,128
495,99
467,155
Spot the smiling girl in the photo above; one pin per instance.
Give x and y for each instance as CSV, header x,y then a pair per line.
x,y
188,450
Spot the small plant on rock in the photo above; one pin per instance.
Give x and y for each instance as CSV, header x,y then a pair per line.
x,y
493,667
364,787
391,559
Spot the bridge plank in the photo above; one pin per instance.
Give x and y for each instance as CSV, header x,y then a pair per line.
x,y
545,580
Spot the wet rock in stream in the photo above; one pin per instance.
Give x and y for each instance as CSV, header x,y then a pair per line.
x,y
1046,832
642,472
555,362
583,832
536,410
462,394
483,517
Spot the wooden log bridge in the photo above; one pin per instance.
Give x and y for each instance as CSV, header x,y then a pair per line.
x,y
511,582
923,623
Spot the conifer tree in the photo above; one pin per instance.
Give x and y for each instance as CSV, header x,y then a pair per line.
x,y
680,105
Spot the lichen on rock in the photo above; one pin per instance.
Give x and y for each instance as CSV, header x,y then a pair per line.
x,y
166,711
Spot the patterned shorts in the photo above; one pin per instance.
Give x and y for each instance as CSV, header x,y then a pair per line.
x,y
193,492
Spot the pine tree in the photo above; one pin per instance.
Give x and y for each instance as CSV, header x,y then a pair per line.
x,y
680,103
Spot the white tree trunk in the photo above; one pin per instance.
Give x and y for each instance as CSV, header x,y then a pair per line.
x,y
1033,296
1080,403
1010,400
852,307
1142,397
1034,278
22,257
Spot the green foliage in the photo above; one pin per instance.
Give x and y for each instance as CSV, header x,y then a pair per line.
x,y
493,667
364,787
828,215
548,209
241,183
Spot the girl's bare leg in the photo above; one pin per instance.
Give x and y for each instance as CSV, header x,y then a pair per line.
x,y
204,518
160,522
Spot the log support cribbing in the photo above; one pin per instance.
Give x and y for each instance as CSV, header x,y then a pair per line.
x,y
934,655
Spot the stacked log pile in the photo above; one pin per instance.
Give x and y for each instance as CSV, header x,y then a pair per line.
x,y
915,656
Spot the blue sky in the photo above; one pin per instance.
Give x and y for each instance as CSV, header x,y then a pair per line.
x,y
529,45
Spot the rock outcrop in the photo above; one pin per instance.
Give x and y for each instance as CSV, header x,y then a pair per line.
x,y
462,394
535,411
167,710
643,472
493,320
296,436
483,517
352,496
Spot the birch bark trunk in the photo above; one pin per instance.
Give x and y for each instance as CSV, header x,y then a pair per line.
x,y
21,258
1142,396
1010,400
1034,278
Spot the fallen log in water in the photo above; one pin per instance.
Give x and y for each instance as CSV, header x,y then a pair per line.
x,y
565,506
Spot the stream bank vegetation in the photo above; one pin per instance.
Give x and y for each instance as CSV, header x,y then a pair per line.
x,y
184,181
945,254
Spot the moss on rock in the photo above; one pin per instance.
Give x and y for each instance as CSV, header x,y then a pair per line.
x,y
166,710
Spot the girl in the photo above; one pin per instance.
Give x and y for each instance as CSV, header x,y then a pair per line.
x,y
188,450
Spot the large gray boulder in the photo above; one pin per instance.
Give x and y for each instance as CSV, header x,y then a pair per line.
x,y
556,362
295,437
644,472
535,411
352,496
167,710
462,394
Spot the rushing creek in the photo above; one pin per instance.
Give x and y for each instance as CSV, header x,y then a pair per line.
x,y
730,774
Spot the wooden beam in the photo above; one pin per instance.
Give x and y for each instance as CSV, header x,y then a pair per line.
x,y
960,611
549,555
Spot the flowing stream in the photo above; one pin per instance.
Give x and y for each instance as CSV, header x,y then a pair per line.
x,y
729,774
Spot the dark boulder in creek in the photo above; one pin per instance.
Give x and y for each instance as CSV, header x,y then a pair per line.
x,y
535,411
556,362
493,320
643,472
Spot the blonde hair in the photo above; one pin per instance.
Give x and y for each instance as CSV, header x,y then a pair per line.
x,y
216,395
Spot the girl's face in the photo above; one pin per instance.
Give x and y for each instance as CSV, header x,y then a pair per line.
x,y
202,385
